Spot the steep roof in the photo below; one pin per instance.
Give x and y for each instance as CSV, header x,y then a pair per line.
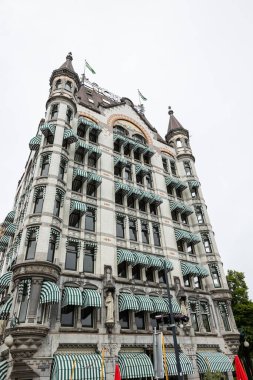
x,y
174,126
66,69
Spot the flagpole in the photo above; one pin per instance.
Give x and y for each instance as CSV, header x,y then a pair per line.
x,y
139,97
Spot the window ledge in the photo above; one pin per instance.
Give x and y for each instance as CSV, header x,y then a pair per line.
x,y
72,329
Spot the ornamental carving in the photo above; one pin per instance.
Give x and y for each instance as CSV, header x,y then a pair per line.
x,y
36,269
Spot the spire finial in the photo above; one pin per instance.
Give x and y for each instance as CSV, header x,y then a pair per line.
x,y
170,111
69,56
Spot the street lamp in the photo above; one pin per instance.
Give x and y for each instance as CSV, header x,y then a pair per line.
x,y
245,356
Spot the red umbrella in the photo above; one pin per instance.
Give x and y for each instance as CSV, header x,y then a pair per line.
x,y
239,370
117,375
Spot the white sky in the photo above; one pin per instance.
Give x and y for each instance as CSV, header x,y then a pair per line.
x,y
195,55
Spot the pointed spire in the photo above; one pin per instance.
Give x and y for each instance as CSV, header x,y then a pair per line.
x,y
174,126
66,69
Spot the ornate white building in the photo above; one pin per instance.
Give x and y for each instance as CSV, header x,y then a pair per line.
x,y
103,202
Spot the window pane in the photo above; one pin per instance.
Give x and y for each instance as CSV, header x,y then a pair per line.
x,y
87,317
93,136
45,167
132,230
51,251
187,282
57,205
140,320
117,171
74,219
144,233
161,276
91,190
92,160
71,257
131,202
88,263
142,205
67,315
119,198
194,322
90,221
150,274
31,248
136,272
124,319
81,131
206,324
122,270
120,230
77,185
156,236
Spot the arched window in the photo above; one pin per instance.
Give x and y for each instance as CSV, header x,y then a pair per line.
x,y
68,86
179,143
120,129
58,84
139,138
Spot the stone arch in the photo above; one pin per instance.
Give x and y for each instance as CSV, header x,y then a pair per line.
x,y
167,151
92,118
112,119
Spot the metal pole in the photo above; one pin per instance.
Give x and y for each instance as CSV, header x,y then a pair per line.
x,y
173,326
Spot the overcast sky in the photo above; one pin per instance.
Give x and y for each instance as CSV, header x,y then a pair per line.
x,y
195,55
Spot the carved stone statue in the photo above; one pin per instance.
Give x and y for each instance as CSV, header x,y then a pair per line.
x,y
183,308
109,304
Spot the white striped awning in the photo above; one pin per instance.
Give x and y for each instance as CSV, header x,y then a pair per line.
x,y
157,199
72,296
135,365
5,280
186,364
34,143
91,298
144,303
50,293
125,255
5,309
47,129
78,206
213,362
70,136
10,229
127,302
3,369
76,367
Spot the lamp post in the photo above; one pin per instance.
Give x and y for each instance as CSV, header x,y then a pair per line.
x,y
173,326
244,354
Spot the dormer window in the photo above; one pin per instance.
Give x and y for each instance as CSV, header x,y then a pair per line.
x,y
58,84
68,86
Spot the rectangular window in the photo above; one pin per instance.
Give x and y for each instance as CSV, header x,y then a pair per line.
x,y
45,166
93,137
224,316
79,156
140,320
119,198
62,169
38,204
31,246
74,219
124,319
204,309
165,164
137,155
139,179
156,235
197,282
57,205
150,274
144,232
91,190
179,193
153,209
87,317
131,202
51,248
142,205
187,281
122,270
49,139
69,115
148,178
81,131
132,230
215,276
67,316
71,256
54,111
118,171
136,272
194,192
184,219
146,159
88,260
187,168
127,150
194,319
199,215
77,185
190,248
90,220
161,277
170,190
120,227
180,245
92,160
174,215
173,167
116,146
128,173
24,304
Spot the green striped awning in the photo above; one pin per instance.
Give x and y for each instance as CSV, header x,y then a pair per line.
x,y
47,129
149,151
194,270
135,365
213,362
122,139
5,309
78,206
141,169
125,255
121,186
135,192
141,259
169,264
9,218
175,306
187,210
186,236
155,262
72,296
179,206
82,145
193,183
80,174
3,369
70,136
159,304
127,302
5,280
147,196
93,177
157,199
175,182
120,160
94,149
10,229
34,143
91,298
139,146
87,366
50,292
144,303
89,123
186,364
4,241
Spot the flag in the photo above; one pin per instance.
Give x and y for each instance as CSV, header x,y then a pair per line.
x,y
142,96
89,67
117,375
239,370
